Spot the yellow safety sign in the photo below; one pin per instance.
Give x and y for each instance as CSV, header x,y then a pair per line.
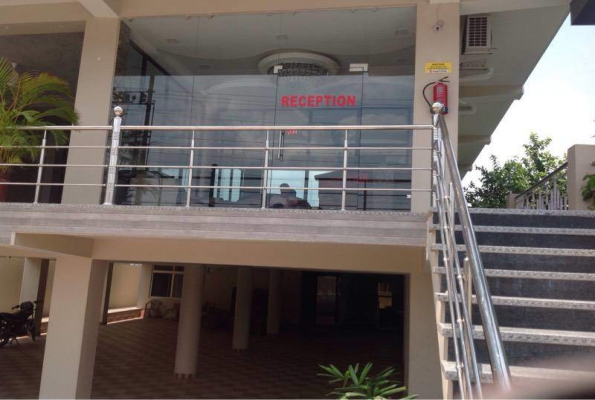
x,y
438,68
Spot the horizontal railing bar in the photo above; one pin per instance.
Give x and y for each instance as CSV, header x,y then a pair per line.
x,y
54,147
277,128
271,188
341,148
134,166
49,184
55,165
199,128
65,128
545,179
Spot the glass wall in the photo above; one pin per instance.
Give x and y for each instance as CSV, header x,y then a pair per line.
x,y
346,67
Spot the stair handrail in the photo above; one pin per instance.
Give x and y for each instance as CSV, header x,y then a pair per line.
x,y
444,155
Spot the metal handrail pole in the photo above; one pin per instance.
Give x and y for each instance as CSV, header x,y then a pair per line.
x,y
344,186
265,171
190,171
113,158
40,169
499,363
447,261
450,247
261,128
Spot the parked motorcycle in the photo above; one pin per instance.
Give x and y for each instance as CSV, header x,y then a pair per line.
x,y
19,323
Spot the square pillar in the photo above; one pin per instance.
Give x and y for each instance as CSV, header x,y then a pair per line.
x,y
423,374
433,46
144,286
73,328
190,321
243,309
580,163
33,285
107,288
93,102
274,303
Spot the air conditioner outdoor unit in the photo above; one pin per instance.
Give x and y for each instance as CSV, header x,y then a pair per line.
x,y
478,35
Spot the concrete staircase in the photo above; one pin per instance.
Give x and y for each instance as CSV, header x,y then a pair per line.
x,y
540,267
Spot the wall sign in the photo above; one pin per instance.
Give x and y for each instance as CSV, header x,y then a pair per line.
x,y
318,100
438,67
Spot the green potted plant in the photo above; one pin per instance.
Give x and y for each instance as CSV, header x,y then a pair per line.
x,y
589,189
354,383
30,100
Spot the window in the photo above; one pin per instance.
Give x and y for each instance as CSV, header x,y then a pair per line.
x,y
167,281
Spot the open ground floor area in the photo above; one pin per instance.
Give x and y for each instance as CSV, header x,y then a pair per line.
x,y
135,359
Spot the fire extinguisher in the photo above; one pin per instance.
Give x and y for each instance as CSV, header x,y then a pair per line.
x,y
439,93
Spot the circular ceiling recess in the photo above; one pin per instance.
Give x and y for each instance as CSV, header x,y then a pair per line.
x,y
298,63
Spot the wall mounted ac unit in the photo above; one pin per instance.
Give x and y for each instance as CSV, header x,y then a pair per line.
x,y
478,35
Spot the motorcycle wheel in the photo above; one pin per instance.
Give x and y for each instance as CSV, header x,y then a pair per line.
x,y
32,330
4,336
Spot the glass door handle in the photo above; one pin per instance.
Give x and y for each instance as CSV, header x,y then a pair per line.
x,y
281,145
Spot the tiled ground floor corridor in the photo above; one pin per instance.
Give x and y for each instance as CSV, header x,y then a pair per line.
x,y
135,359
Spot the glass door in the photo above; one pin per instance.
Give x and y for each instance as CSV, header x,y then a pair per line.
x,y
334,99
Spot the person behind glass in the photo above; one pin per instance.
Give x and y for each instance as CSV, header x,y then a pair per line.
x,y
288,199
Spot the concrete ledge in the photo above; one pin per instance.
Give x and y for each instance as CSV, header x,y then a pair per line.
x,y
96,221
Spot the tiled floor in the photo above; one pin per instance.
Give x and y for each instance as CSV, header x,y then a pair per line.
x,y
135,359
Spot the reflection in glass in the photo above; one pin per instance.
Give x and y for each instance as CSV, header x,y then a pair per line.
x,y
196,71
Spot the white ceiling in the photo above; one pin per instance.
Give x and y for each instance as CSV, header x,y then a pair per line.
x,y
344,32
520,38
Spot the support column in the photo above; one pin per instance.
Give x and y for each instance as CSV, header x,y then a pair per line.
x,y
144,286
107,288
581,162
33,286
433,45
243,309
274,305
72,332
93,102
423,375
190,319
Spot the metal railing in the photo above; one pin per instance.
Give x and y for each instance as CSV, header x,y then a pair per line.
x,y
114,150
446,186
550,193
462,280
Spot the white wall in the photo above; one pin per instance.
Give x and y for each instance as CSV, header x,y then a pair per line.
x,y
11,275
124,290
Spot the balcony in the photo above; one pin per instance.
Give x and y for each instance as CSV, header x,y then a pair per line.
x,y
360,195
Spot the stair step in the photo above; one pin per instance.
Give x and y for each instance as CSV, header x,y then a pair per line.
x,y
511,273
525,250
525,335
449,371
524,229
532,302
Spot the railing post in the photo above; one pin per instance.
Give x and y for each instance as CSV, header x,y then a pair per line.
x,y
40,169
493,339
190,170
265,172
113,157
344,186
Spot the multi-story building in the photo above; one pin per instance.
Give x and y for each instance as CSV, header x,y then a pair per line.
x,y
275,172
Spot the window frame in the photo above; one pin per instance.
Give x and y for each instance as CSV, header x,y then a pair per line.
x,y
175,270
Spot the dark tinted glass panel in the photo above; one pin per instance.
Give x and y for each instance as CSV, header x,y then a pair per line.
x,y
178,282
161,285
355,68
162,268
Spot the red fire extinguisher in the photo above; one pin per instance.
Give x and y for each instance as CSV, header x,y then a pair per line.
x,y
440,90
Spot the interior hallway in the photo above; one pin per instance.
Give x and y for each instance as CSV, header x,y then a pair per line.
x,y
135,359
